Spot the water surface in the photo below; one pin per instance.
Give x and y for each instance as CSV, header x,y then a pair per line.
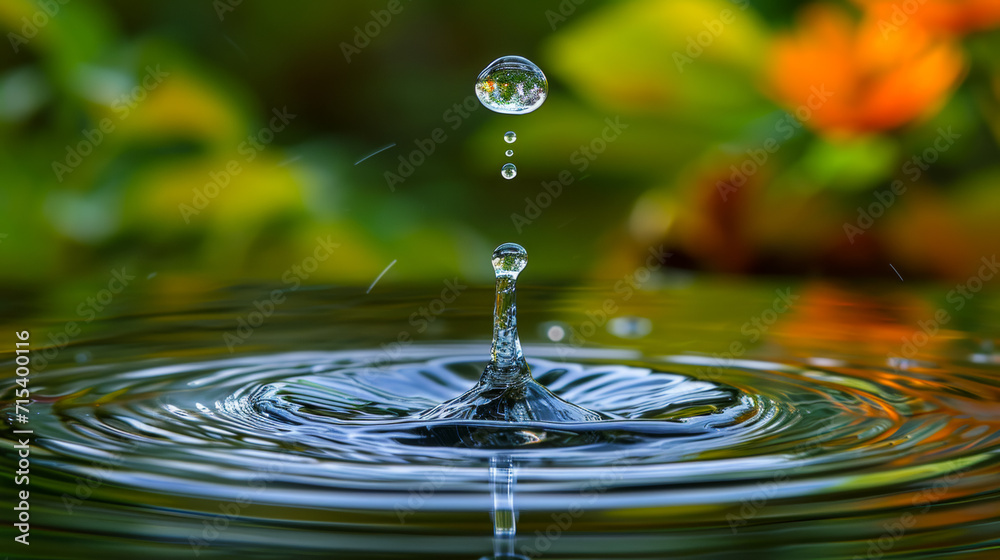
x,y
819,438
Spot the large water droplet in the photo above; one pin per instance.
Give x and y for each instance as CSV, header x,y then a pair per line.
x,y
509,137
508,171
512,85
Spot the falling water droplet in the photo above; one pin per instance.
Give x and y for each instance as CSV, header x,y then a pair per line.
x,y
509,153
509,137
512,85
508,171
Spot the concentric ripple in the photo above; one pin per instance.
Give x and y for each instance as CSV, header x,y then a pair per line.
x,y
335,432
350,407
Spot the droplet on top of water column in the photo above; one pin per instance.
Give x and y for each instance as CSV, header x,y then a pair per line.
x,y
507,391
508,171
509,137
509,153
512,85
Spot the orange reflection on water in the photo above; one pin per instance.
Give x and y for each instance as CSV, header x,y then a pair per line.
x,y
829,321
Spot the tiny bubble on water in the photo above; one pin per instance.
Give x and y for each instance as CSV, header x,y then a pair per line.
x,y
509,153
508,171
553,330
630,327
512,85
555,333
509,137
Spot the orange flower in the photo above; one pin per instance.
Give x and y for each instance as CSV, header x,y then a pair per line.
x,y
949,16
876,80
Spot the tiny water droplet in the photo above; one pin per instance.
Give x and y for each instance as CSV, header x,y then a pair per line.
x,y
512,85
509,153
509,137
508,171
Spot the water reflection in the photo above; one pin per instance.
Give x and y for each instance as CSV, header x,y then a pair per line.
x,y
810,439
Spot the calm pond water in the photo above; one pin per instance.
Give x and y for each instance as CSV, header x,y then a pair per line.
x,y
772,420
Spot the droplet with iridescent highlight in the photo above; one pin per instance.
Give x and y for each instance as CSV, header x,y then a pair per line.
x,y
509,137
508,171
512,85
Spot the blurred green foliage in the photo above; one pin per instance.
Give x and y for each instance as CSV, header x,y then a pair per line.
x,y
151,135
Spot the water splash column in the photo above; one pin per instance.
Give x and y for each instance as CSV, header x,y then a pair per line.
x,y
507,364
506,391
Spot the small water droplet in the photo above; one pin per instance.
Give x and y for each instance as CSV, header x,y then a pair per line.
x,y
508,171
509,153
509,137
512,85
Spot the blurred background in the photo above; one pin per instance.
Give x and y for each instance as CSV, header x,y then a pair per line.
x,y
214,142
